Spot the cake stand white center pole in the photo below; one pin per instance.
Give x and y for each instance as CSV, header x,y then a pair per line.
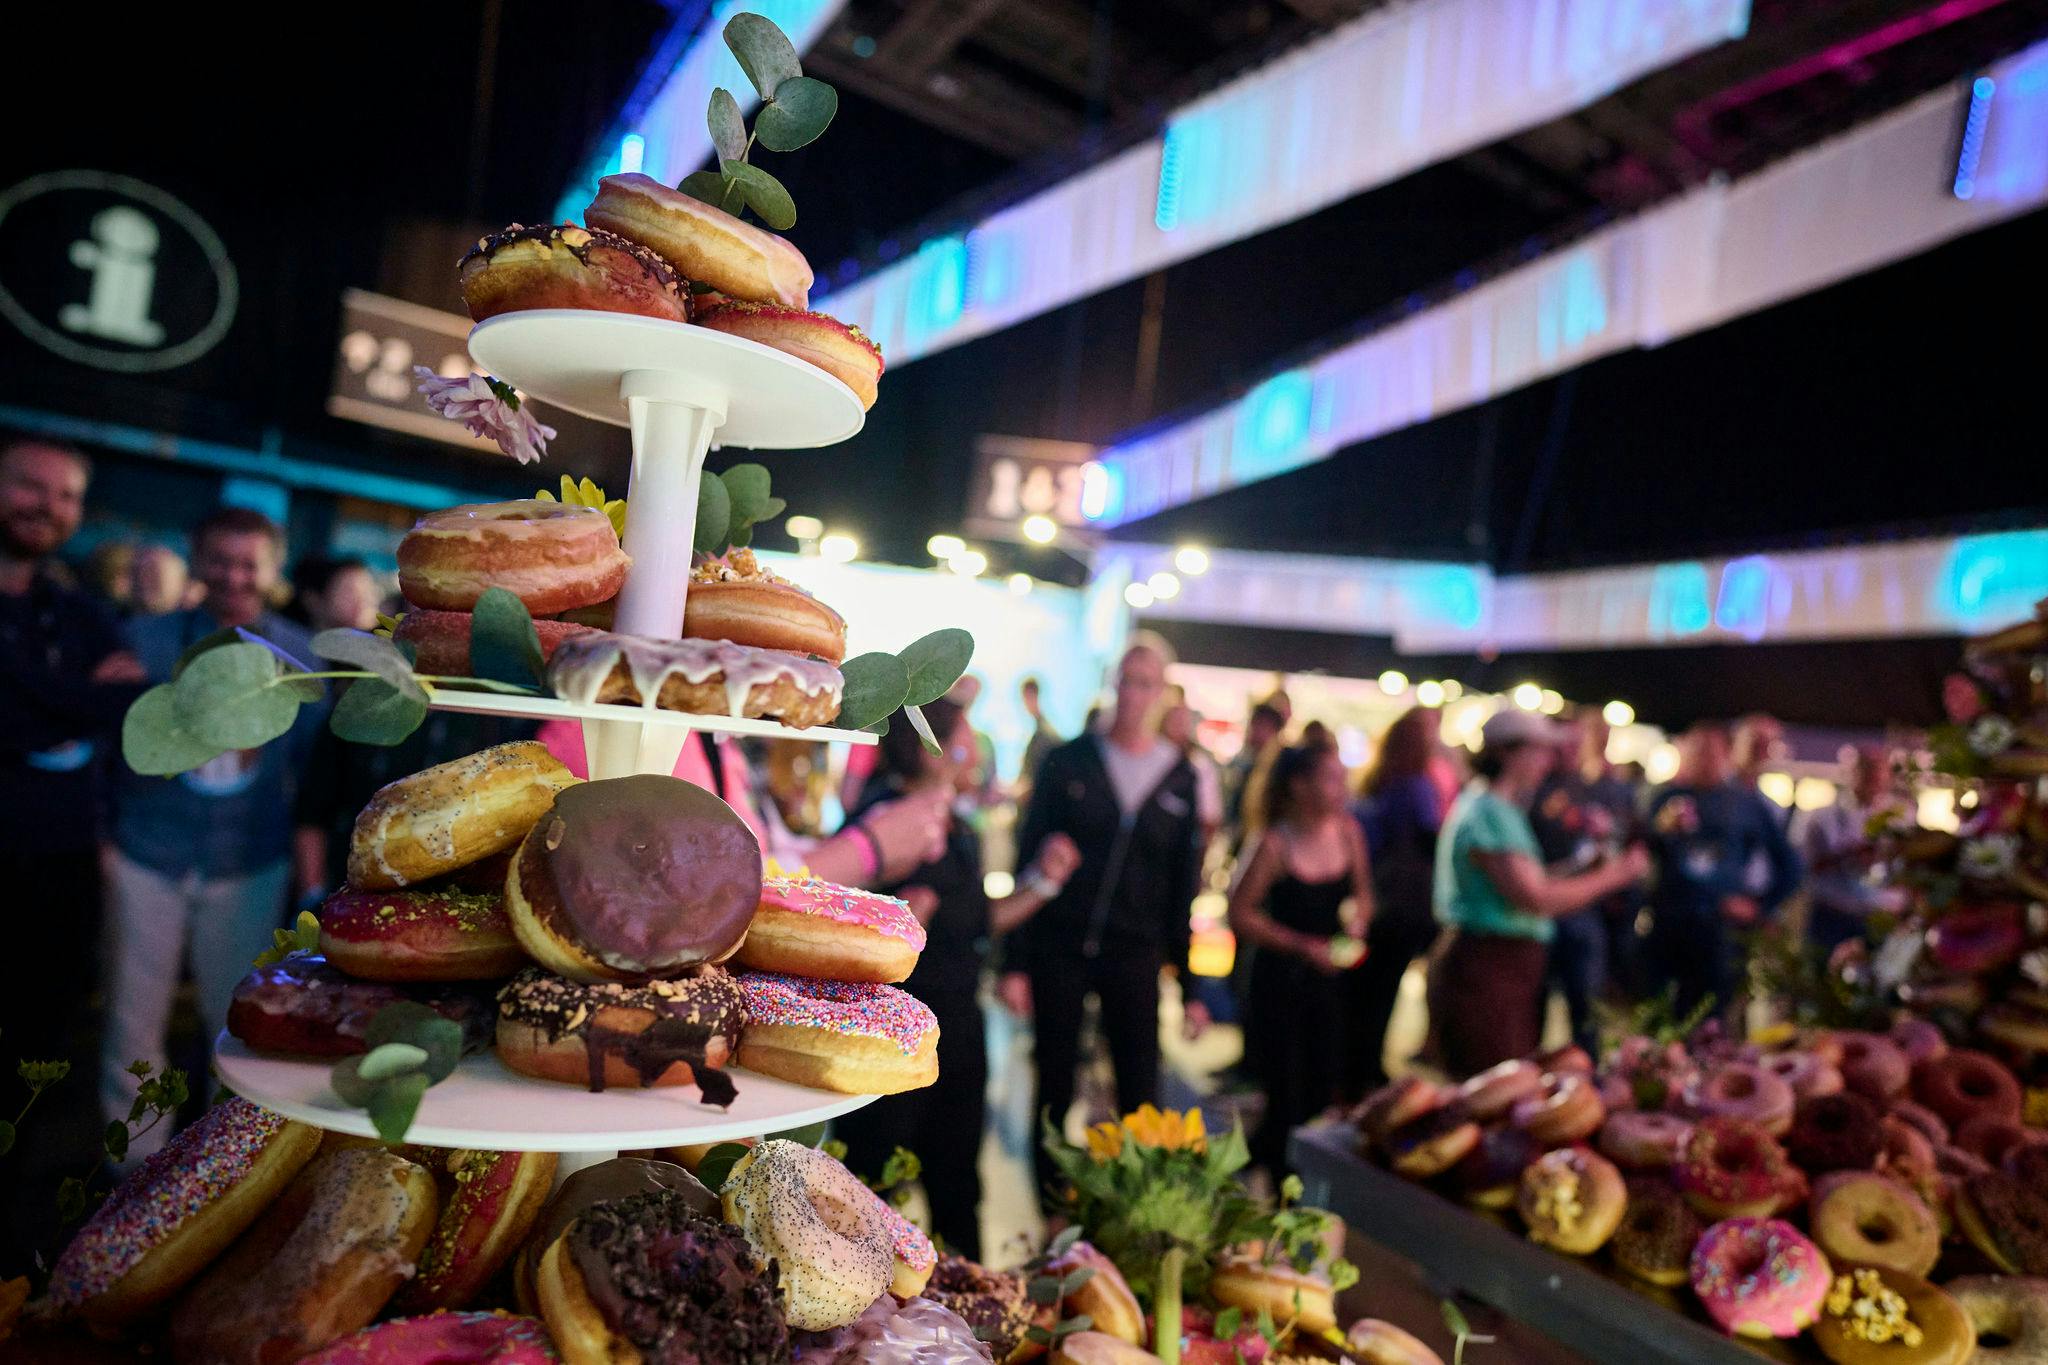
x,y
673,415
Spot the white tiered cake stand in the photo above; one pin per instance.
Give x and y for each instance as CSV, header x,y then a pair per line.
x,y
679,388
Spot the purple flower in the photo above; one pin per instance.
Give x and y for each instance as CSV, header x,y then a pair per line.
x,y
488,408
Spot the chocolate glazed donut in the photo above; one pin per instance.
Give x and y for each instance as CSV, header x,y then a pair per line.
x,y
667,1032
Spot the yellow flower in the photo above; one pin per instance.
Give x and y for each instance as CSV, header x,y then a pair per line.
x,y
1167,1129
1774,1035
387,624
588,494
1105,1141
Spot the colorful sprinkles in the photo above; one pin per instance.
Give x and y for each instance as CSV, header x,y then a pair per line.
x,y
194,1169
913,1248
804,894
853,1008
1760,1276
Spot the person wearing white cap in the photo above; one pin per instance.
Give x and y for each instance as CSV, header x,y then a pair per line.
x,y
1494,896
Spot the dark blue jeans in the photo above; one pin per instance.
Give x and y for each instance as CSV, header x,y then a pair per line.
x,y
1578,967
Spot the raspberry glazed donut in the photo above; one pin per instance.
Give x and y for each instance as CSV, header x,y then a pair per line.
x,y
305,1006
1657,1234
1572,1199
1643,1141
420,934
1566,1109
1489,1175
1965,1084
488,1202
1759,1277
845,352
444,1339
552,556
917,1331
1490,1094
319,1264
633,877
854,1037
440,639
619,1178
1396,1103
996,1304
1835,1133
1732,1168
177,1211
1809,1076
806,926
915,1254
1105,1297
815,1221
2008,1315
669,1031
1873,1066
702,241
565,266
1742,1090
645,1277
702,677
1860,1217
733,598
446,817
1433,1143
1875,1315
2004,1220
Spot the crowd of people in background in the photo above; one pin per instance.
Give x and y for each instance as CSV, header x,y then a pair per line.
x,y
1529,869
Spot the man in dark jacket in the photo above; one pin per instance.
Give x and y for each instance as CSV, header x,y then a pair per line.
x,y
1127,799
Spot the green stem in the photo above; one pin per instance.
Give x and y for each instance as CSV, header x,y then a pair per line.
x,y
1166,1307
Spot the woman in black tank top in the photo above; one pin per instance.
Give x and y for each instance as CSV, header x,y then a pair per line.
x,y
1289,910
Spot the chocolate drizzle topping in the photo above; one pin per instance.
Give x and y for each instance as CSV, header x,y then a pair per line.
x,y
681,1288
693,1016
579,242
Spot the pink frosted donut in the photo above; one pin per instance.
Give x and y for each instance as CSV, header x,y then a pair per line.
x,y
444,1339
1917,1038
1759,1277
1873,1066
1739,1090
1643,1141
1808,1075
854,1037
915,1254
1495,1091
806,926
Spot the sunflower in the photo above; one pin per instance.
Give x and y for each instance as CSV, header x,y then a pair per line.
x,y
1167,1129
588,494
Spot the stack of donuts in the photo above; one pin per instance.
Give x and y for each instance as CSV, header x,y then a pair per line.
x,y
657,252
754,644
1819,1187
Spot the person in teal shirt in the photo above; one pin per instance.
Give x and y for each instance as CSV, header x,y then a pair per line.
x,y
1497,902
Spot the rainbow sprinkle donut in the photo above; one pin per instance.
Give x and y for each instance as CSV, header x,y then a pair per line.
x,y
855,1037
1759,1277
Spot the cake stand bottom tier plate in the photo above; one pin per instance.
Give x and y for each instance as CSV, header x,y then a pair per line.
x,y
487,1107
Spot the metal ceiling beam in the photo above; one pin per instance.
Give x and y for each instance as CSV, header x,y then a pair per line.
x,y
972,104
928,32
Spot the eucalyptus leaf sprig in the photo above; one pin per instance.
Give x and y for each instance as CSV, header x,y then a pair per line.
x,y
1045,1288
877,685
731,505
410,1049
795,109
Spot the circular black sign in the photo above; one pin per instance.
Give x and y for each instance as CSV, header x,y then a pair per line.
x,y
109,271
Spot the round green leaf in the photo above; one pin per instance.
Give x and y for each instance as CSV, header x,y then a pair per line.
x,y
764,194
874,686
391,1059
714,189
714,514
728,128
802,109
213,639
747,485
718,1163
935,662
394,1103
372,711
115,1140
371,653
227,697
397,1022
349,1086
503,644
155,743
407,1021
764,53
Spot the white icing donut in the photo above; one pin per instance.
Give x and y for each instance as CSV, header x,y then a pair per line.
x,y
821,1226
695,675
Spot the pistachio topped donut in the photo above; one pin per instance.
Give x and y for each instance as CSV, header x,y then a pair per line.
x,y
824,1231
552,556
565,266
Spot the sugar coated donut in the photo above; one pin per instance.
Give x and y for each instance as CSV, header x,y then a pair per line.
x,y
1643,1141
552,556
1731,1168
1875,1314
1256,1287
1834,1133
668,1031
854,1037
907,1328
1805,1072
452,814
1870,1219
444,1339
307,1006
733,598
845,352
1494,1091
1965,1084
701,240
565,266
1395,1103
1567,1108
1491,1172
1105,1297
633,877
1873,1066
318,1265
440,639
420,934
915,1254
1742,1090
2008,1315
645,1277
2004,1220
703,677
1917,1038
1433,1142
489,1200
1377,1342
806,926
996,1304
1759,1277
821,1227
1572,1199
1657,1234
177,1211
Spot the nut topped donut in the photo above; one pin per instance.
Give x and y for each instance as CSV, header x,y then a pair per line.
x,y
733,598
633,877
439,934
806,926
704,677
552,556
564,266
701,240
446,817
